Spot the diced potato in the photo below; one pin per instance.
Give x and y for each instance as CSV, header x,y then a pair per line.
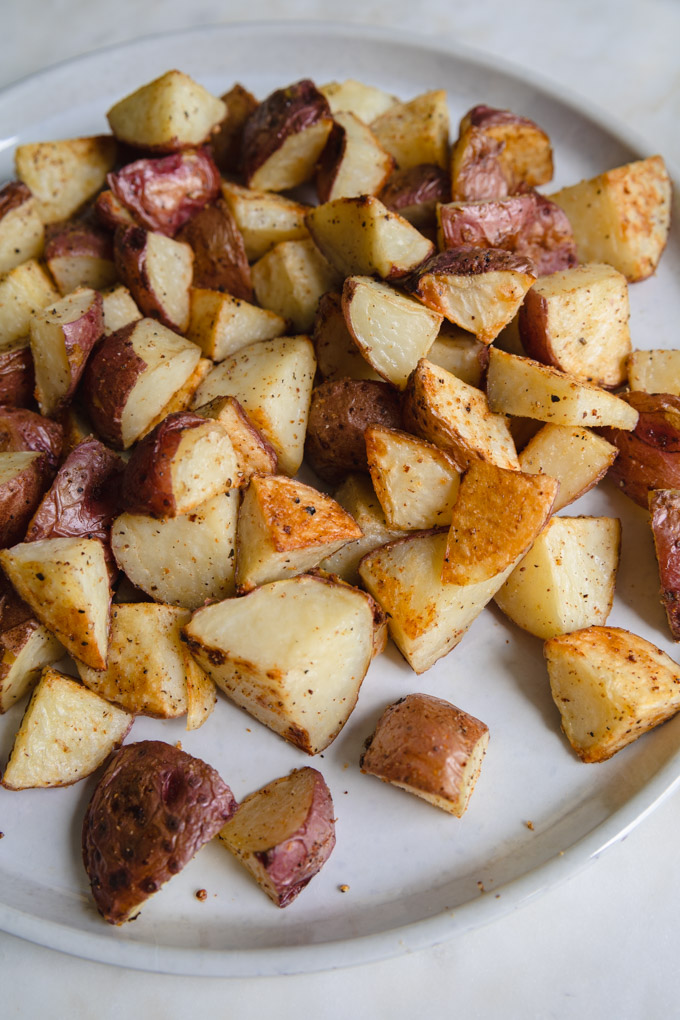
x,y
290,279
64,175
365,101
622,216
26,646
222,324
357,496
23,292
22,233
610,686
654,371
264,218
67,732
285,682
416,483
417,131
353,162
520,386
273,381
460,353
577,457
253,453
172,112
119,309
285,528
337,354
456,417
392,331
566,580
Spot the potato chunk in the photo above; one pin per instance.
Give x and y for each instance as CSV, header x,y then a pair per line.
x,y
63,175
264,218
222,324
26,646
67,732
417,131
577,457
621,217
284,833
654,371
22,233
290,279
285,682
24,291
427,746
566,580
357,496
610,686
353,162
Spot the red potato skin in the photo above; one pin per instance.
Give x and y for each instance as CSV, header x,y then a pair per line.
x,y
528,224
664,510
153,809
21,429
78,238
147,482
227,142
111,212
415,192
220,260
19,498
292,864
465,261
130,250
17,377
13,195
283,113
80,338
110,375
162,194
649,456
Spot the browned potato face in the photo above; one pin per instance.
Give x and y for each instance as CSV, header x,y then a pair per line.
x,y
183,462
226,141
415,192
285,136
126,861
21,429
498,153
284,833
158,271
24,476
529,224
17,375
340,412
25,646
220,260
649,455
80,254
21,229
162,194
427,746
664,511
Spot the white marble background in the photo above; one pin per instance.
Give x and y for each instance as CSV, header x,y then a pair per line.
x,y
604,943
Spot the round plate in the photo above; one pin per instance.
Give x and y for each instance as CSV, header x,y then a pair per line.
x,y
412,876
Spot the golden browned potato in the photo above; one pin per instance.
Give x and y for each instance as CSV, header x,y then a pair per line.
x,y
26,646
427,746
416,131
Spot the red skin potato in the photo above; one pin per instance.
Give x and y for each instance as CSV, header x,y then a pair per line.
x,y
163,193
12,195
111,212
80,337
415,192
283,113
220,260
649,456
147,482
528,224
664,510
83,498
21,429
130,255
110,376
19,498
227,142
17,377
78,240
153,809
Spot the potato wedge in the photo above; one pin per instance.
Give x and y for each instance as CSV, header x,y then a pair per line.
x,y
158,272
127,862
428,747
566,580
337,355
264,218
253,453
416,131
576,457
119,309
621,217
67,732
24,291
63,175
416,482
461,354
26,647
222,324
654,371
290,279
284,833
285,682
357,496
521,386
273,381
392,331
456,417
610,687
184,560
65,581
285,528
353,162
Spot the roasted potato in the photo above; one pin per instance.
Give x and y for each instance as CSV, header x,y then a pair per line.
x,y
158,272
220,260
664,514
22,233
26,646
24,477
63,175
649,452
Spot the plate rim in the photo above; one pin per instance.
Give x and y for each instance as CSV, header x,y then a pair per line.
x,y
449,923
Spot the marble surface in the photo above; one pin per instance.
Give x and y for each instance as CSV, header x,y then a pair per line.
x,y
605,941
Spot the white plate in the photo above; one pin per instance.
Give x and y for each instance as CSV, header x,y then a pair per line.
x,y
416,876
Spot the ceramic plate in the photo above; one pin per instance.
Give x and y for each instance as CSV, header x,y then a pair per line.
x,y
412,875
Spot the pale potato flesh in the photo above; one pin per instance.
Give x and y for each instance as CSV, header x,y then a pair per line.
x,y
22,235
566,580
654,371
294,161
576,457
63,175
417,131
365,101
25,650
67,732
357,496
290,279
204,465
119,309
482,304
264,218
169,270
337,354
459,355
23,291
55,365
364,166
253,453
222,324
171,112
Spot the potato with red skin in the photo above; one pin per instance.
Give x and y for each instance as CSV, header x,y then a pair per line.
x,y
24,477
111,212
26,646
184,461
340,412
21,229
527,224
158,272
227,140
664,513
649,455
22,429
415,192
153,809
17,374
220,260
285,136
80,254
163,193
284,833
